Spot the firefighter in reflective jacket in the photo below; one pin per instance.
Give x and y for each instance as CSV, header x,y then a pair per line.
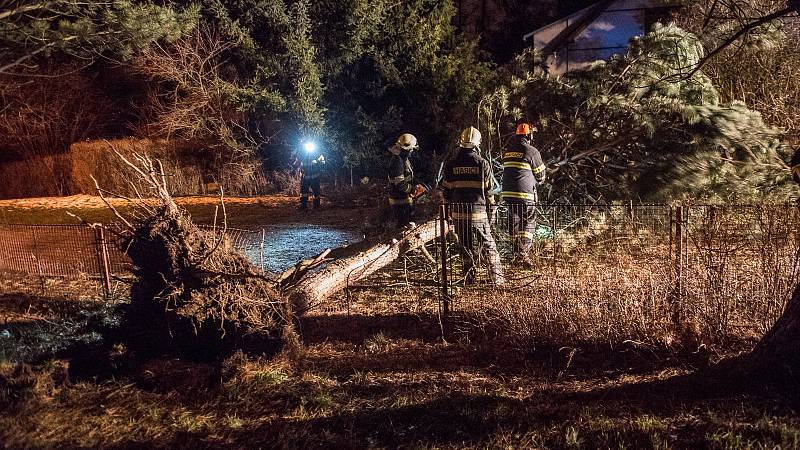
x,y
523,170
310,163
467,180
402,190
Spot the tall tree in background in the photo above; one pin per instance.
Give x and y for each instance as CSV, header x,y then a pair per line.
x,y
49,54
392,67
32,29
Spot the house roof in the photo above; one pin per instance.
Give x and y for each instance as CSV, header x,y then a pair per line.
x,y
619,24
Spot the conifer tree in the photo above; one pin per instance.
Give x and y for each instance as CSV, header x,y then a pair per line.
x,y
637,127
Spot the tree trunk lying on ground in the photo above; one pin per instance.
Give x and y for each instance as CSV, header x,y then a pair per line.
x,y
778,352
312,281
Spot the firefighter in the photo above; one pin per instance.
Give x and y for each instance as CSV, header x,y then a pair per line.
x,y
310,163
402,190
467,181
523,170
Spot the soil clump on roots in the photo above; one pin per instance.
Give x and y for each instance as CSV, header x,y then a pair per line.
x,y
194,293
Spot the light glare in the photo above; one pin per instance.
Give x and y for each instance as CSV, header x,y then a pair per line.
x,y
310,146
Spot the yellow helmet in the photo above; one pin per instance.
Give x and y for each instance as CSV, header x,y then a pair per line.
x,y
470,138
407,141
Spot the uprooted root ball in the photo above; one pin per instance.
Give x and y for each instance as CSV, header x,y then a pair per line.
x,y
197,293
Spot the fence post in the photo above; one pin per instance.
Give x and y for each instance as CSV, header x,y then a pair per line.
x,y
102,259
678,294
554,262
261,248
443,250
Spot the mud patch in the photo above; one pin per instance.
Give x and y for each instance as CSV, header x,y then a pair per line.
x,y
285,244
39,333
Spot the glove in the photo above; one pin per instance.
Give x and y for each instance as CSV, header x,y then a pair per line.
x,y
419,190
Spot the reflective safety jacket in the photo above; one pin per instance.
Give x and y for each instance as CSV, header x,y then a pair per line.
x,y
523,169
467,179
796,166
401,180
310,165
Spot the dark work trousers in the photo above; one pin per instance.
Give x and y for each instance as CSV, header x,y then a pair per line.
x,y
402,215
307,185
476,244
521,226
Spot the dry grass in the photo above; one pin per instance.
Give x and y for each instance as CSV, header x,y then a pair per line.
x,y
393,383
620,300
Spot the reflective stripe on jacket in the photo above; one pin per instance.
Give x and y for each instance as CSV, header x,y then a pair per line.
x,y
467,178
523,169
401,180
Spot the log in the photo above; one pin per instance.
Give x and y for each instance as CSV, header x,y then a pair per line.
x,y
777,355
320,284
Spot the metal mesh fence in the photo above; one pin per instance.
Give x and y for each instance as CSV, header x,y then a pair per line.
x,y
49,250
725,267
736,264
80,251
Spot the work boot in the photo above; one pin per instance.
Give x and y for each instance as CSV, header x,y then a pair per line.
x,y
523,260
469,276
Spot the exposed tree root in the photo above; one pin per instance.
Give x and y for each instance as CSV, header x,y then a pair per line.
x,y
193,293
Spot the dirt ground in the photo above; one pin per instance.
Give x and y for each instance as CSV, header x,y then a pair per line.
x,y
390,377
242,212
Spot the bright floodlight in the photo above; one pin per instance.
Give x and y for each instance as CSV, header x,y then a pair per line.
x,y
310,146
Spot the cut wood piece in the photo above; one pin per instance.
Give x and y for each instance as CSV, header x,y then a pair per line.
x,y
357,262
298,270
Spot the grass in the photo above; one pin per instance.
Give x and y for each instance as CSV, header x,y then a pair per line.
x,y
351,386
471,407
242,212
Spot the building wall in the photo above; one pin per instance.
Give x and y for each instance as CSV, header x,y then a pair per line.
x,y
608,34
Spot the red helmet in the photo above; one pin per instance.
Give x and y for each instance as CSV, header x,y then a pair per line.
x,y
525,128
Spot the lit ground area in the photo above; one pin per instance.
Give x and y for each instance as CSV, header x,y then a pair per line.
x,y
249,212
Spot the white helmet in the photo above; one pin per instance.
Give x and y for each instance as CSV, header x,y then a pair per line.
x,y
407,141
470,138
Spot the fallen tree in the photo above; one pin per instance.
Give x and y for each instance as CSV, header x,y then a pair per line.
x,y
777,355
312,281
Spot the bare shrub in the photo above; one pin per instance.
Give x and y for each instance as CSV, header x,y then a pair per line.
x,y
38,176
43,115
283,182
244,178
190,168
189,96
